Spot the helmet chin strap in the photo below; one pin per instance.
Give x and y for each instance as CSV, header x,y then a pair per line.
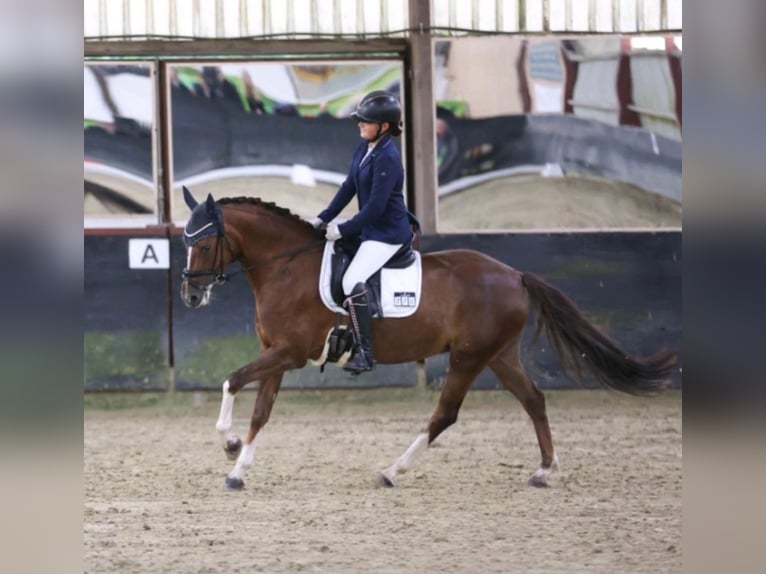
x,y
378,135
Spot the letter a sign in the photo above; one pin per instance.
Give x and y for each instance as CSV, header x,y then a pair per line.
x,y
149,253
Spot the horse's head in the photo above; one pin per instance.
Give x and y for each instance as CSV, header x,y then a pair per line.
x,y
207,258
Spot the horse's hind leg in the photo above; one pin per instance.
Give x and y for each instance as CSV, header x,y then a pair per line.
x,y
462,372
510,371
267,395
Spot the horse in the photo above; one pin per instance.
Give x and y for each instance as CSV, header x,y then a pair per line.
x,y
478,317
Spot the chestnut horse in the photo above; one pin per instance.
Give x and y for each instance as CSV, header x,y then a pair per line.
x,y
473,307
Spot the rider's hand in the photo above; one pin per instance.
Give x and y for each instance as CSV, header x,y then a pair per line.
x,y
333,233
316,222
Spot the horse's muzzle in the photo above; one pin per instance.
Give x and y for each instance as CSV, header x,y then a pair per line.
x,y
193,296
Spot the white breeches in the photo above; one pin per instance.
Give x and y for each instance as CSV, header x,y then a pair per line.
x,y
372,255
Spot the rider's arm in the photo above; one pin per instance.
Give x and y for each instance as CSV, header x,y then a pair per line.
x,y
347,190
385,175
341,199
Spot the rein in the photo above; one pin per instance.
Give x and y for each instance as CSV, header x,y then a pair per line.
x,y
220,277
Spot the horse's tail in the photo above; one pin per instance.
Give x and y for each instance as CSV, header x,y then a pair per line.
x,y
579,342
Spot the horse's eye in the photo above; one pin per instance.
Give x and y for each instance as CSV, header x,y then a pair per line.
x,y
204,249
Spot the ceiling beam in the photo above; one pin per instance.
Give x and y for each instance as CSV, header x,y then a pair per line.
x,y
240,47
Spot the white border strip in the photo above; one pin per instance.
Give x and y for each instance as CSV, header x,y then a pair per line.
x,y
103,169
471,180
258,171
120,222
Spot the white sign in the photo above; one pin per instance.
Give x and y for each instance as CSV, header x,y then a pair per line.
x,y
149,253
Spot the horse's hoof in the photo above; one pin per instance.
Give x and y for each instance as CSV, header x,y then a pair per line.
x,y
538,481
234,483
383,480
233,448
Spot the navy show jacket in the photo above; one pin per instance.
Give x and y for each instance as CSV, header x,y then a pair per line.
x,y
378,184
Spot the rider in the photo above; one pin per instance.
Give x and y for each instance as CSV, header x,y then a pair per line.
x,y
383,223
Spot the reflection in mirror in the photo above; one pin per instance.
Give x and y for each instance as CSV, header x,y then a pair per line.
x,y
118,121
551,133
280,132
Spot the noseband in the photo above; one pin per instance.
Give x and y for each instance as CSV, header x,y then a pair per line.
x,y
219,277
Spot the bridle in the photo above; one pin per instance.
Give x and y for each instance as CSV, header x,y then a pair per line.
x,y
219,275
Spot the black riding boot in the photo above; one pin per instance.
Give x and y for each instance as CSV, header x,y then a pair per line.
x,y
358,308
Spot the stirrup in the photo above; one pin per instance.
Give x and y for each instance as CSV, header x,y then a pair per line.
x,y
361,362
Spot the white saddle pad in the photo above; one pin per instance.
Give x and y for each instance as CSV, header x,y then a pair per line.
x,y
399,288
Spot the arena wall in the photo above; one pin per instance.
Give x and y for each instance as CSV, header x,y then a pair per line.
x,y
139,336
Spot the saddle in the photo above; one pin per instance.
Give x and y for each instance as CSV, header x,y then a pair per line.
x,y
395,288
394,291
343,253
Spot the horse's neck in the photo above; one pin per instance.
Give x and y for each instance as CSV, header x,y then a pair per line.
x,y
265,233
268,243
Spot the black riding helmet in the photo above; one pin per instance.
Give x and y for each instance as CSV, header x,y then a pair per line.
x,y
378,107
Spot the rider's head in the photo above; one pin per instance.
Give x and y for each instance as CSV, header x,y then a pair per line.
x,y
380,108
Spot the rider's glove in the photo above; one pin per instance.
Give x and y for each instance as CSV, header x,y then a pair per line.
x,y
316,222
333,233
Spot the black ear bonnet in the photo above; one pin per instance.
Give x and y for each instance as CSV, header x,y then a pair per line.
x,y
206,219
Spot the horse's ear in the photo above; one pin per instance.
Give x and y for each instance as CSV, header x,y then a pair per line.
x,y
210,202
189,199
214,212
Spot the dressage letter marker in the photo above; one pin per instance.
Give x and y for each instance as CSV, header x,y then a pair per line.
x,y
149,253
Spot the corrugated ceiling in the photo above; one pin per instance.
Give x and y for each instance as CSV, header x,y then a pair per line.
x,y
370,18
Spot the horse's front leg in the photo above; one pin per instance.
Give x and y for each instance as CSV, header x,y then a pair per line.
x,y
267,395
271,364
232,444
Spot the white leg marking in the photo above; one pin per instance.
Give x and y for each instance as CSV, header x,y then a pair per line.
x,y
223,426
405,462
244,461
541,474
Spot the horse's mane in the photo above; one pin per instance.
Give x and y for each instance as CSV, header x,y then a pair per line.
x,y
269,206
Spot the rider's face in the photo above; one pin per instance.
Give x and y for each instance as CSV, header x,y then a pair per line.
x,y
369,131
